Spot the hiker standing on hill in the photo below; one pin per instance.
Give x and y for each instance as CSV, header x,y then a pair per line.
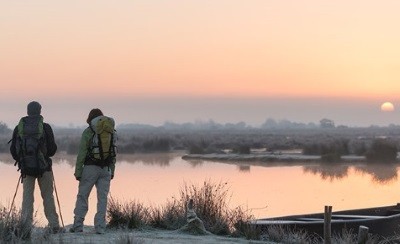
x,y
95,165
32,145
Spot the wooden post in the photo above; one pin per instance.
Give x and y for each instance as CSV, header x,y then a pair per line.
x,y
327,225
362,234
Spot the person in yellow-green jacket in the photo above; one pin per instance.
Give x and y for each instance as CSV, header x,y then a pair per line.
x,y
95,166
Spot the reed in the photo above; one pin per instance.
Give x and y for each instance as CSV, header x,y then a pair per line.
x,y
13,228
131,215
210,204
169,216
282,235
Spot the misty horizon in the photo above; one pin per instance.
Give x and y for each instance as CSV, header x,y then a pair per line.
x,y
252,111
286,60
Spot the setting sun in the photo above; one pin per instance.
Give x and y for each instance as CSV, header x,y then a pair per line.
x,y
387,107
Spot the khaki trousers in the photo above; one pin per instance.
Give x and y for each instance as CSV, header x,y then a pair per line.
x,y
46,190
92,175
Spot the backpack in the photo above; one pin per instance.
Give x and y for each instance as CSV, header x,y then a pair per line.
x,y
102,149
31,146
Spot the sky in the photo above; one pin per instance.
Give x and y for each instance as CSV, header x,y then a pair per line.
x,y
151,61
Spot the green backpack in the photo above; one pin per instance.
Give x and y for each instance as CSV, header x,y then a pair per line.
x,y
102,150
31,146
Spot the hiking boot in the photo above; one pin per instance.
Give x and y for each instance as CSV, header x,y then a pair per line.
x,y
75,230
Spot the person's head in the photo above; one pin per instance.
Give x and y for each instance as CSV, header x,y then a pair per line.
x,y
93,114
34,108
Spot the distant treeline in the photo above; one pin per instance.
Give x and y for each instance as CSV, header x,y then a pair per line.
x,y
329,141
374,143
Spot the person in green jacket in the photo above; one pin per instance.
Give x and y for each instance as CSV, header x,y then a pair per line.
x,y
95,166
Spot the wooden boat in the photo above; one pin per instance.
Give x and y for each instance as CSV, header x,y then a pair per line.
x,y
383,221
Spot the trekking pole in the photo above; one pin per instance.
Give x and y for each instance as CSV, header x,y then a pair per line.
x,y
58,201
15,194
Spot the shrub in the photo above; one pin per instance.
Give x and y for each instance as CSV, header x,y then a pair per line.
x,y
130,147
210,205
330,151
13,228
156,145
130,215
4,128
281,235
4,147
358,147
196,149
311,149
73,146
170,217
241,222
241,149
382,151
331,157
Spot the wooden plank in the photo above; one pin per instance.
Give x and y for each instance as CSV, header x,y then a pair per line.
x,y
362,237
327,225
309,219
357,216
278,222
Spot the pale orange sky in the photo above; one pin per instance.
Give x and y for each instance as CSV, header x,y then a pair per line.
x,y
63,51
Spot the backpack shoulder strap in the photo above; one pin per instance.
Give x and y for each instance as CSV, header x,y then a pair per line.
x,y
20,127
91,128
41,126
100,147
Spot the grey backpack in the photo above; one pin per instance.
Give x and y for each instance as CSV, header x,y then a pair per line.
x,y
31,146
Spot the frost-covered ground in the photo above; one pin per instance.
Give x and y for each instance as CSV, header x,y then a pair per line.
x,y
135,237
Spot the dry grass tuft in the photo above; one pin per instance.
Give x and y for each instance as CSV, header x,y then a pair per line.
x,y
130,215
282,235
13,228
210,204
169,217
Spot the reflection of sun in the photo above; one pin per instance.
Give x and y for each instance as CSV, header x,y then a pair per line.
x,y
387,107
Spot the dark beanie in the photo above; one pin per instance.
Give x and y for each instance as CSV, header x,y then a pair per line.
x,y
93,114
34,108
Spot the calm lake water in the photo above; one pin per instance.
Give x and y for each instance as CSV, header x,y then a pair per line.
x,y
267,190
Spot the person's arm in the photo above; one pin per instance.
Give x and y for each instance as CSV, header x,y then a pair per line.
x,y
82,153
13,149
50,142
